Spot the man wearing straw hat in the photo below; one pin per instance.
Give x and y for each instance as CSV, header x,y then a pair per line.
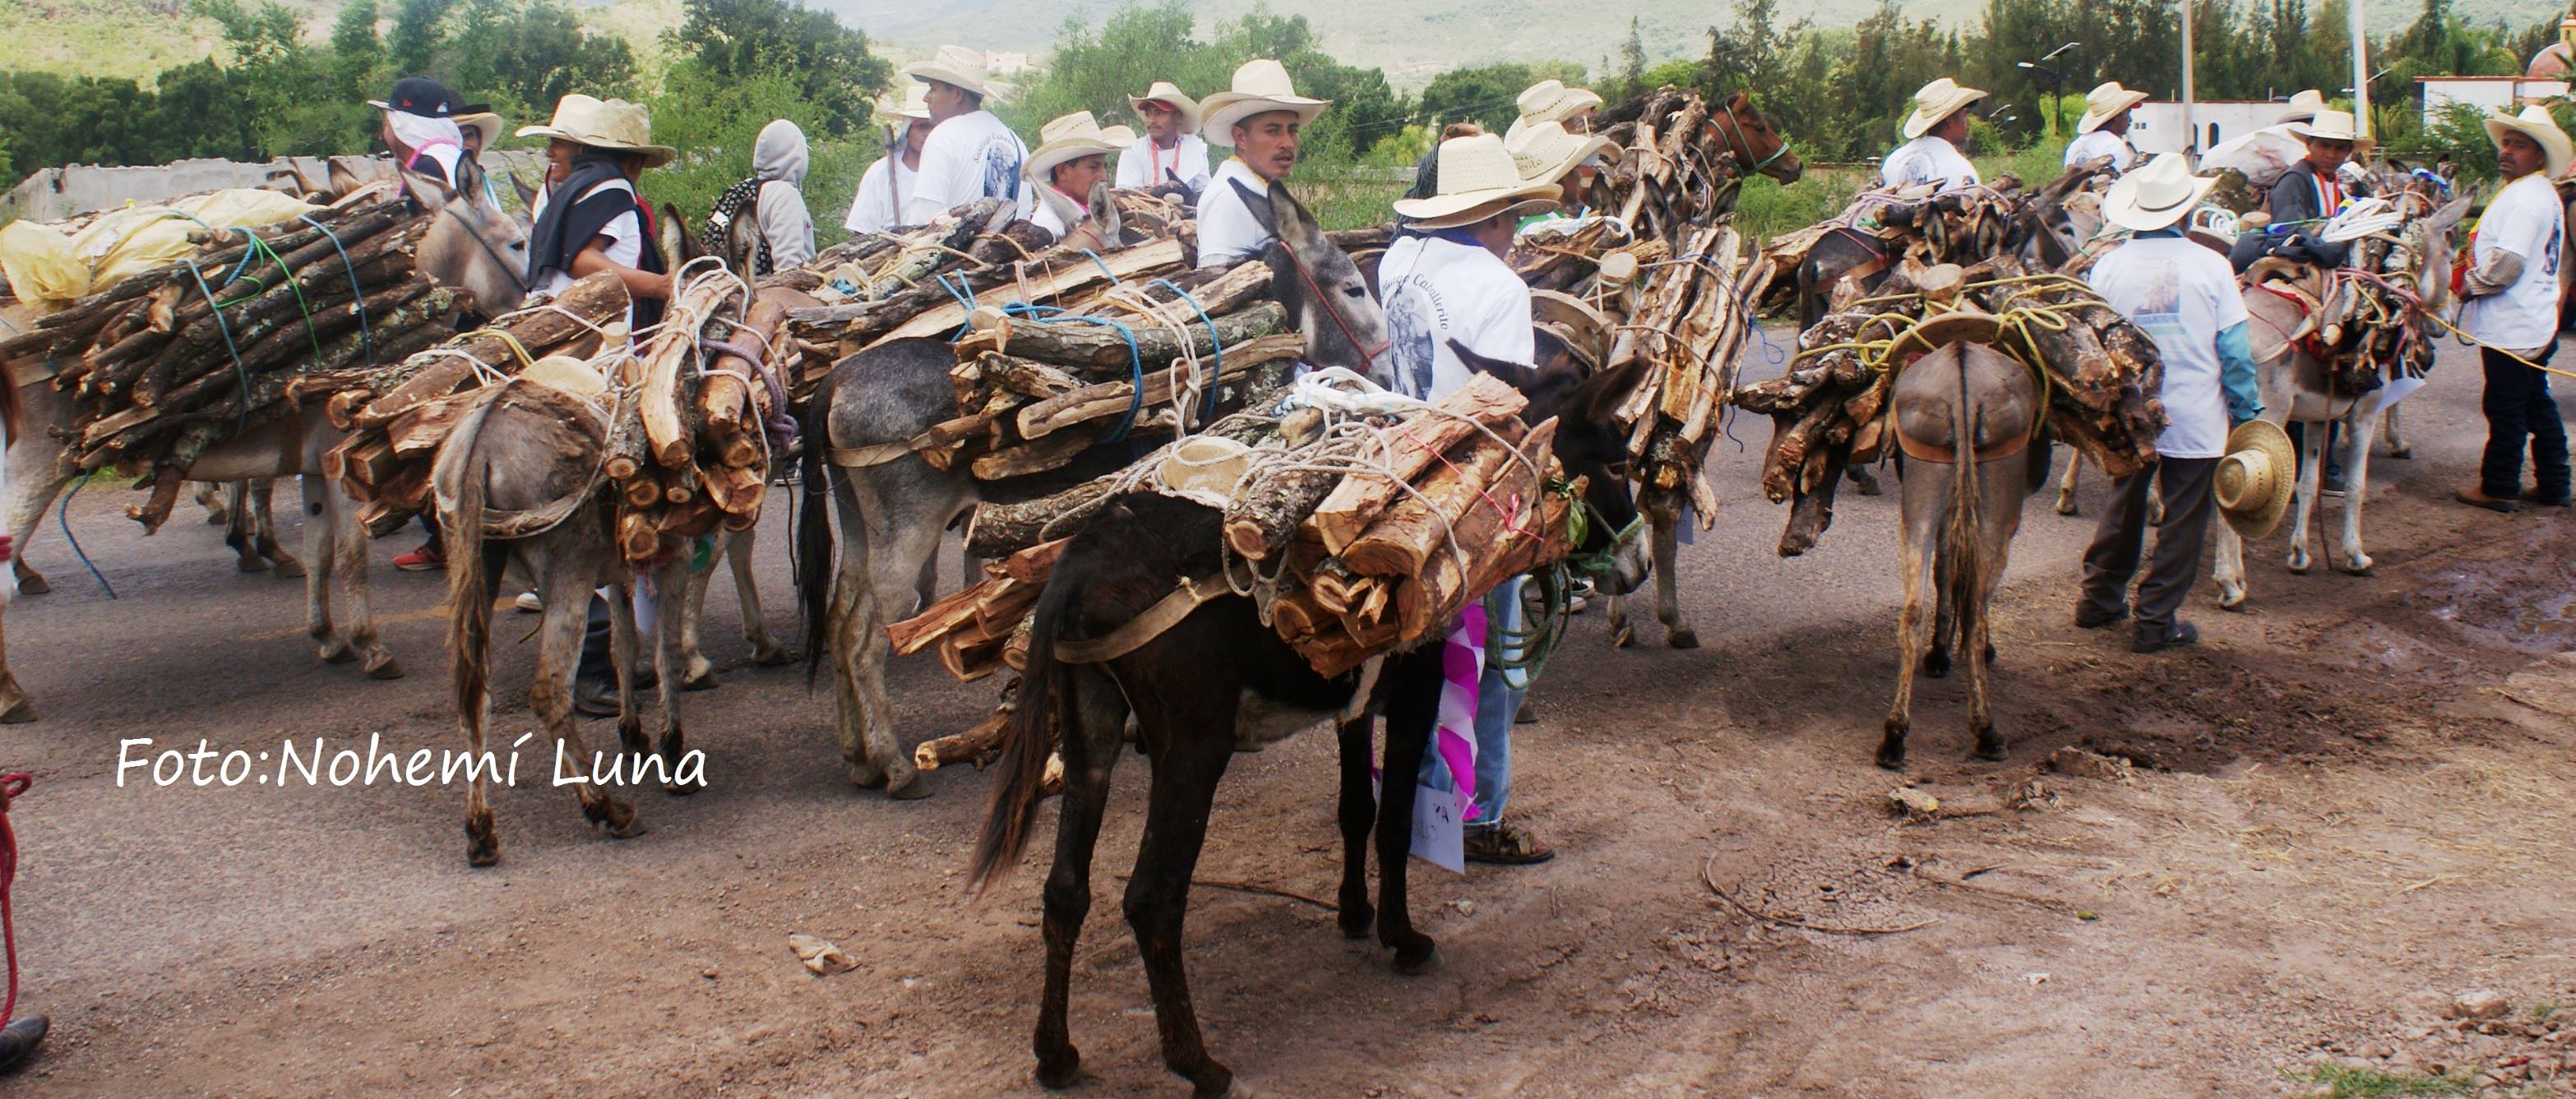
x,y
1171,150
1072,157
1548,153
970,154
2186,299
878,206
2103,131
1262,115
1933,134
1551,101
588,217
2308,193
2510,295
1450,283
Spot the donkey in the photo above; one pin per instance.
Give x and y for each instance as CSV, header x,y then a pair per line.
x,y
2296,386
1966,419
1217,675
891,514
471,244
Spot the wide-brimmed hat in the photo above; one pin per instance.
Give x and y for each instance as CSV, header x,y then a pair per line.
x,y
2157,195
479,118
1477,181
1260,87
2302,107
612,124
2328,126
421,96
2105,103
965,68
1165,93
1544,152
1550,101
1067,138
2535,123
2254,481
1936,101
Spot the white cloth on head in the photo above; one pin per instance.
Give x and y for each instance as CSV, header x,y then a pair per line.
x,y
1928,159
436,139
1228,233
2100,143
1145,164
2182,295
781,158
968,157
876,208
2526,220
625,234
1438,289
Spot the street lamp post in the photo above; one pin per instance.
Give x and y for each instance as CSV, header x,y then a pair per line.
x,y
2056,84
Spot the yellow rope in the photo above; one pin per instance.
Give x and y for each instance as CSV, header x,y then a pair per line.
x,y
2473,341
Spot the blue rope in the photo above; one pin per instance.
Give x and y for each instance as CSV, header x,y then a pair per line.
x,y
965,300
63,518
1216,367
241,415
1135,361
1104,267
1771,352
358,294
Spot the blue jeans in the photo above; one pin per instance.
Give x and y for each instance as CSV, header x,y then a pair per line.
x,y
1498,701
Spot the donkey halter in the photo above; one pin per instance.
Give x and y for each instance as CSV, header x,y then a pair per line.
x,y
1368,356
1742,148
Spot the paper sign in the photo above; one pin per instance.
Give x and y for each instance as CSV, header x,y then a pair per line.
x,y
1438,836
2395,391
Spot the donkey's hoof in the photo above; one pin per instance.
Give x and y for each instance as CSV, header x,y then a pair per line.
x,y
1891,748
1418,959
33,584
2066,505
1683,637
619,819
701,680
1990,748
911,787
1062,1070
2361,566
2300,563
1936,663
1864,482
384,665
1623,636
289,568
481,847
17,711
336,652
2401,453
771,655
1356,921
251,564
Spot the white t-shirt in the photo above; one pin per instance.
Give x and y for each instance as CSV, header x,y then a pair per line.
x,y
625,234
875,209
1438,289
1928,159
1056,210
2526,220
968,157
2183,295
2100,143
1144,165
1228,233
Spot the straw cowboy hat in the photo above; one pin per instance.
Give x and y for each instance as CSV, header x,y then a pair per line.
x,y
1260,87
2155,196
1550,101
1938,100
2302,107
2254,481
479,118
1165,93
1478,180
2535,123
965,68
1544,152
2327,126
1070,137
2105,103
612,124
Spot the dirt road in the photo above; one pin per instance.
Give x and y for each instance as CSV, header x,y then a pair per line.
x,y
2341,818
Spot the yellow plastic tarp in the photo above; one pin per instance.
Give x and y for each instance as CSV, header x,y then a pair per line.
x,y
50,268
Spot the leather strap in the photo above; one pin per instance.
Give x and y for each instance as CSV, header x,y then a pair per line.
x,y
1926,452
860,457
1166,613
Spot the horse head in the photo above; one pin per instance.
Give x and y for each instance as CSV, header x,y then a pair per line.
x,y
1323,290
1589,442
471,244
1756,147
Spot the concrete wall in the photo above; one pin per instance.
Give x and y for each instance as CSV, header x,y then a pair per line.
x,y
2156,125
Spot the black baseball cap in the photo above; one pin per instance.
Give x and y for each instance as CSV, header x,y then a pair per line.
x,y
419,95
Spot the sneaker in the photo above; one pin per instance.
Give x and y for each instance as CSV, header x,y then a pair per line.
x,y
1506,844
423,559
2153,639
528,603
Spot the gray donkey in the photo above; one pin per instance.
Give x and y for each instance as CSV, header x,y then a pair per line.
x,y
891,515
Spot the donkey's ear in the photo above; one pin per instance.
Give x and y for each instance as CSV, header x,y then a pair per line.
x,y
1598,398
1290,221
1259,204
527,194
678,244
2450,214
1519,376
469,180
1104,213
430,191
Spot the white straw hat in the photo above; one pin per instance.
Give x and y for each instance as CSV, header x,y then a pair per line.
x,y
2155,196
1936,101
1550,101
612,124
2302,107
1544,152
2105,103
2535,123
482,122
1260,87
965,68
1068,138
2327,126
1478,180
2254,481
1165,93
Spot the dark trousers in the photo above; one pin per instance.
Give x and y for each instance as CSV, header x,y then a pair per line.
x,y
2519,412
597,664
2121,539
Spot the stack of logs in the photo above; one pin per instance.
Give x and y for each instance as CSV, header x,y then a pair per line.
x,y
688,446
165,364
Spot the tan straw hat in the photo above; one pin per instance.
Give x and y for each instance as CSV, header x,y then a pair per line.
x,y
482,122
2105,103
1477,181
1550,101
612,124
2327,126
1938,100
965,68
1260,87
2254,481
1165,93
1544,152
2155,196
1070,137
2535,123
2302,107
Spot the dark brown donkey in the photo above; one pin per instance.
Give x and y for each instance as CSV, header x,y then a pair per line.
x,y
1190,690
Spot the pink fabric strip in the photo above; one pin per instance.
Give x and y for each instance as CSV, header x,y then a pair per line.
x,y
1462,663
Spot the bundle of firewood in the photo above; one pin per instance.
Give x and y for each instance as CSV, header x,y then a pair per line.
x,y
1831,409
165,364
1675,173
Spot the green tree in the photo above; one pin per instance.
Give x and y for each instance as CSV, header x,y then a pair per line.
x,y
1489,94
356,51
416,34
831,65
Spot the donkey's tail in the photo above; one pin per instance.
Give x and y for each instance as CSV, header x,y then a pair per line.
x,y
463,476
1044,705
1965,546
814,526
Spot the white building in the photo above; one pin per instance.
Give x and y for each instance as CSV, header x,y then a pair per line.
x,y
2486,93
2155,126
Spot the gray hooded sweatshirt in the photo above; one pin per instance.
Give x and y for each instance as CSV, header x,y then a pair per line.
x,y
781,156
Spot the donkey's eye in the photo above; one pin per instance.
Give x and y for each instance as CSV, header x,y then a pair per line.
x,y
1355,292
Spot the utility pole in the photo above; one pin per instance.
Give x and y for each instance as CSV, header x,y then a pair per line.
x,y
2360,72
2190,133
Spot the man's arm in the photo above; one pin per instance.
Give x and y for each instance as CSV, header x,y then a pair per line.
x,y
640,284
2236,375
2501,268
